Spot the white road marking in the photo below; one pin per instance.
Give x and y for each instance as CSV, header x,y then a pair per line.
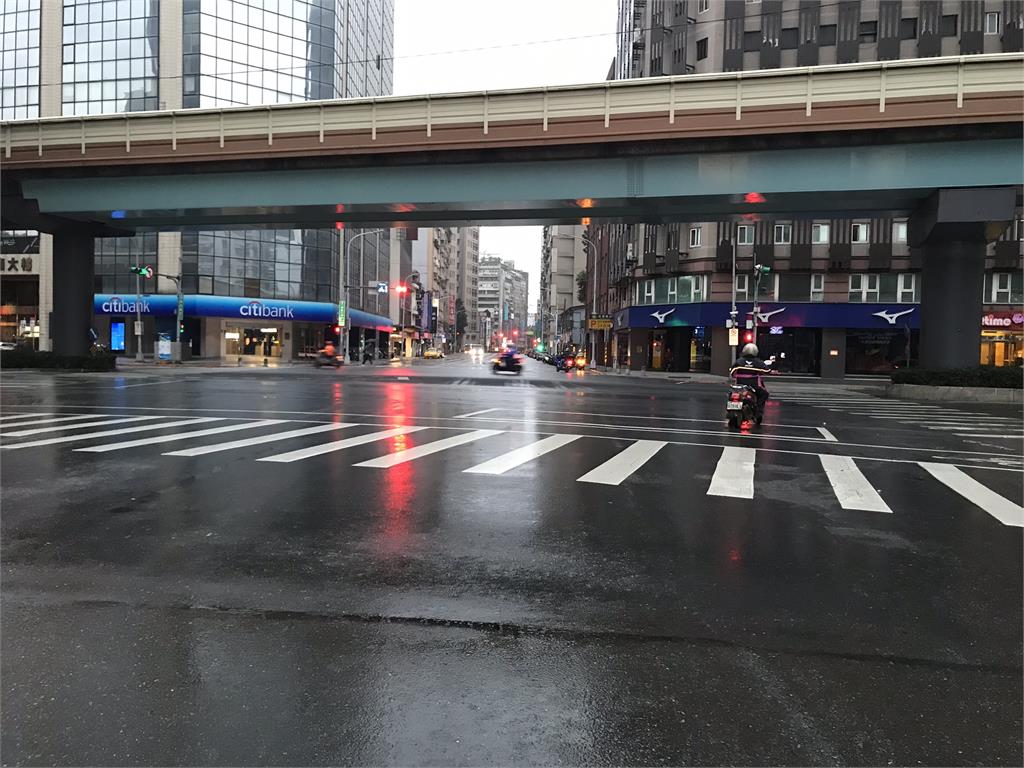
x,y
991,436
63,427
179,436
338,445
624,463
502,464
202,450
827,435
29,416
734,475
474,413
110,432
400,457
1003,510
966,425
54,419
852,489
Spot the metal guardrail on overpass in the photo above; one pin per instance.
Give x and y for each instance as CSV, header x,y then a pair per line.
x,y
986,88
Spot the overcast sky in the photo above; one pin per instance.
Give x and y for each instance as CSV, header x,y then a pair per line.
x,y
431,38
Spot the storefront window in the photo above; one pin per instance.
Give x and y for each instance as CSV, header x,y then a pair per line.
x,y
1002,347
880,351
794,287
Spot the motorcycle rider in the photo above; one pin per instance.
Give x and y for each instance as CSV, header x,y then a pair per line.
x,y
749,369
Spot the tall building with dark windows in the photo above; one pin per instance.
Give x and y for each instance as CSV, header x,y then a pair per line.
x,y
833,283
83,57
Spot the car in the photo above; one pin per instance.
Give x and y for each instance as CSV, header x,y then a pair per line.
x,y
7,346
433,353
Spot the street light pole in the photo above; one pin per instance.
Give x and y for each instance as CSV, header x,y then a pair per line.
x,y
593,303
138,318
732,312
347,271
179,315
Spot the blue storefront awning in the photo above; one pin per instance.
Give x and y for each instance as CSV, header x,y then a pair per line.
x,y
238,308
786,315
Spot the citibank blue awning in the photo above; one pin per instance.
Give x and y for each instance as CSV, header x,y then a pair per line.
x,y
236,308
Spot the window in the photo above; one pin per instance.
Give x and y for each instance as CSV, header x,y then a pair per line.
x,y
783,234
705,5
1000,292
819,233
673,288
691,288
992,23
753,2
695,237
859,233
1018,229
899,232
702,48
863,288
817,287
868,31
906,292
744,234
648,292
794,287
741,287
828,34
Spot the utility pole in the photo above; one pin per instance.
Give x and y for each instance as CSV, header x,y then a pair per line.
x,y
139,272
732,312
587,242
176,356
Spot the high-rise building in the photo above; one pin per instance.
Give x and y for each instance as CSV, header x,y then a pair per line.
x,y
563,258
435,257
468,282
661,281
81,57
503,301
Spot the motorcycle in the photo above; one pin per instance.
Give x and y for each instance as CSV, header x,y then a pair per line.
x,y
323,359
741,406
565,363
507,365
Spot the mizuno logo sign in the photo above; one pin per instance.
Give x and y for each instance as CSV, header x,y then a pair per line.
x,y
891,317
660,316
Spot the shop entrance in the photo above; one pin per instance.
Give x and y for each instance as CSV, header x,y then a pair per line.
x,y
880,351
257,342
1002,347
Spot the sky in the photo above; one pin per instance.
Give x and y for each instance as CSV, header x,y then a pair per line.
x,y
521,44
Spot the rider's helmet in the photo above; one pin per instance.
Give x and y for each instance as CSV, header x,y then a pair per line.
x,y
749,350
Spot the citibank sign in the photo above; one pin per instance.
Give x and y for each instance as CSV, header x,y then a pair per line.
x,y
115,305
258,309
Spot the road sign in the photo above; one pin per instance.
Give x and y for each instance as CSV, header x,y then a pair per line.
x,y
734,337
599,323
382,288
342,311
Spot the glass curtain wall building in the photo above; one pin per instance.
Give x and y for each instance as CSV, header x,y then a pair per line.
x,y
131,55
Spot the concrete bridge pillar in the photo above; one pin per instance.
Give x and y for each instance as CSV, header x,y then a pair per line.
x,y
73,253
952,229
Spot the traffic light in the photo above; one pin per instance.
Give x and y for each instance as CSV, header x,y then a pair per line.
x,y
146,271
540,347
748,337
401,290
762,269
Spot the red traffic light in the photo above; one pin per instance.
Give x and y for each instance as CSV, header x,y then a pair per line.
x,y
748,337
515,331
337,329
401,289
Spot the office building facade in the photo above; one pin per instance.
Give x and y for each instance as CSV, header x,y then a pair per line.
x,y
842,295
503,301
81,57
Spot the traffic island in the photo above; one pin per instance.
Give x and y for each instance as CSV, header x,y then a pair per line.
x,y
980,384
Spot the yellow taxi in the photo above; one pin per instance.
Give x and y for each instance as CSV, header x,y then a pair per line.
x,y
433,353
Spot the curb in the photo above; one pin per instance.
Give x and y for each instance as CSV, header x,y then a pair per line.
x,y
956,394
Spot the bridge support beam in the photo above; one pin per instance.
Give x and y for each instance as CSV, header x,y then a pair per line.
x,y
952,229
73,253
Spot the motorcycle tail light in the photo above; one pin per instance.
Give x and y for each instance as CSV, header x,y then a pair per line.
x,y
735,396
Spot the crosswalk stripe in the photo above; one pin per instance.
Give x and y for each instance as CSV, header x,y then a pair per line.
x,y
202,450
338,445
502,464
109,433
27,416
734,475
624,463
852,489
64,427
56,419
966,425
1003,510
179,436
400,457
991,435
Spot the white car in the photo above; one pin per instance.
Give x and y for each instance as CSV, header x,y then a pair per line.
x,y
7,346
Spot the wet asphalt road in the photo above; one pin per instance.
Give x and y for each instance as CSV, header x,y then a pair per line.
x,y
262,603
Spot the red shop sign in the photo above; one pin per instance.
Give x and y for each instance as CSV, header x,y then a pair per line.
x,y
1002,319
